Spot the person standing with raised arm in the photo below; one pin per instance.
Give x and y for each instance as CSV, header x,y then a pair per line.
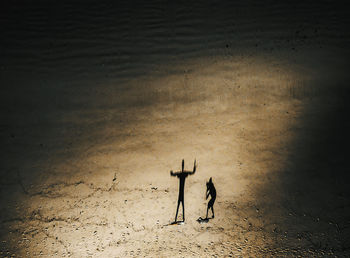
x,y
182,177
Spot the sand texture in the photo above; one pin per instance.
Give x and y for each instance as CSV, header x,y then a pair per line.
x,y
99,102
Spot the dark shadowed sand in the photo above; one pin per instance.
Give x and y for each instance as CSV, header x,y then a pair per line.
x,y
99,102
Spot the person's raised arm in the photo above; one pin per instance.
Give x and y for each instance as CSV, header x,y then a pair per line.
x,y
173,174
194,168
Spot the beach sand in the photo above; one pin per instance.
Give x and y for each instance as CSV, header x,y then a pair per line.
x,y
100,102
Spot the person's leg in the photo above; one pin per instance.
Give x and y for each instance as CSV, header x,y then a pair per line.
x,y
183,211
211,205
207,211
177,209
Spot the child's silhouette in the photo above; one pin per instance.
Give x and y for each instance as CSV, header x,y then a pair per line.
x,y
212,192
182,177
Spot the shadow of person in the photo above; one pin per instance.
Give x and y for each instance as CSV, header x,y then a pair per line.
x,y
182,177
212,192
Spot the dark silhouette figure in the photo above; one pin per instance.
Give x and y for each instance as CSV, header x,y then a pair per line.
x,y
212,192
182,177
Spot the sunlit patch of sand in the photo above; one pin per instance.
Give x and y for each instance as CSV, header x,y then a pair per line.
x,y
109,192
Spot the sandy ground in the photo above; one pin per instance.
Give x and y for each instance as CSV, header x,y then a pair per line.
x,y
85,170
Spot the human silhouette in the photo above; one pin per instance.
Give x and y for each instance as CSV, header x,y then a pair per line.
x,y
212,192
182,177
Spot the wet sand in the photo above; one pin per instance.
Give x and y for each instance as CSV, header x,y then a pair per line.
x,y
100,102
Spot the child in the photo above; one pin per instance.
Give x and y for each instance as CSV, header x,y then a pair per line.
x,y
212,192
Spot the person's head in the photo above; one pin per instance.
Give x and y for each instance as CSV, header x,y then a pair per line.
x,y
183,164
209,183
